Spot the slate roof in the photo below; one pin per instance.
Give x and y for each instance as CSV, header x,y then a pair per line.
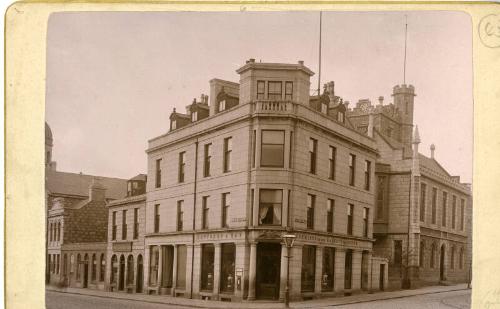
x,y
432,164
62,183
141,177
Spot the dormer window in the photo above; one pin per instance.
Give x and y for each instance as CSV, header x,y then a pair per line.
x,y
274,90
222,105
324,108
173,124
194,116
341,117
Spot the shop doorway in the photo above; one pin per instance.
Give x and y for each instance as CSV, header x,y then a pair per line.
x,y
140,274
121,280
382,277
268,270
86,271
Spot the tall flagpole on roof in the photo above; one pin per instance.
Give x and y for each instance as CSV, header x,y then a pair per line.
x,y
406,35
319,64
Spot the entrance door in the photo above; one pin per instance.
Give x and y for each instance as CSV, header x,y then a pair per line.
x,y
382,277
140,274
441,264
268,271
85,274
121,280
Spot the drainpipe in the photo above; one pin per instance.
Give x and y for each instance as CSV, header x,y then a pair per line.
x,y
194,212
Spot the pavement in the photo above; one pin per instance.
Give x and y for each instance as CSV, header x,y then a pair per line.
x,y
316,303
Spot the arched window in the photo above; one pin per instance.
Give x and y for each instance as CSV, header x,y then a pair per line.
x,y
452,258
433,255
114,269
94,268
103,267
130,269
421,253
461,261
78,262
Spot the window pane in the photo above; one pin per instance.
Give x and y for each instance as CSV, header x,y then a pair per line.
x,y
270,206
273,137
328,269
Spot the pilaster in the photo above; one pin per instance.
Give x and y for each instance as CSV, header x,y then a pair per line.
x,y
252,270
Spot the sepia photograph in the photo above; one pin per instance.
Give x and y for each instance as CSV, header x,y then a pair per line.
x,y
271,159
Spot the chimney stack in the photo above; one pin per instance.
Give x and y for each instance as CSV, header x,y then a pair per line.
x,y
97,191
381,100
370,122
433,148
301,62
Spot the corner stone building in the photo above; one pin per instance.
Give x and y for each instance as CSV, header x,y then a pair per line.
x,y
423,215
233,174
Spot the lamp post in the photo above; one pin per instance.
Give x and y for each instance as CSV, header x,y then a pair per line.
x,y
288,239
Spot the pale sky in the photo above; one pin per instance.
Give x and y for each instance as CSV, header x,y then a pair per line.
x,y
114,78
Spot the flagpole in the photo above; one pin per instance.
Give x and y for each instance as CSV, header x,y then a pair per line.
x,y
406,34
319,65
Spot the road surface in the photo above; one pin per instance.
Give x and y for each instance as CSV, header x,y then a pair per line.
x,y
446,300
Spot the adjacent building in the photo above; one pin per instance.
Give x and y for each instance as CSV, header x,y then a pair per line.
x,y
254,160
125,248
423,215
77,221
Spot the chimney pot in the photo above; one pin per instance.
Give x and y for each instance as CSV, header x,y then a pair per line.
x,y
381,100
433,148
252,60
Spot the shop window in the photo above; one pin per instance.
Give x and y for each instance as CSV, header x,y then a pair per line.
x,y
308,268
207,267
327,278
270,205
78,266
154,257
228,253
272,148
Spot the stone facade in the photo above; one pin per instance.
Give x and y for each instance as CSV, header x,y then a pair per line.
x,y
419,238
227,236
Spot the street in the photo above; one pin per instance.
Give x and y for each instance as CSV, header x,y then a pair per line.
x,y
455,299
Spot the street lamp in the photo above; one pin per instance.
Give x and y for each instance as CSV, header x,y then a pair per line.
x,y
288,239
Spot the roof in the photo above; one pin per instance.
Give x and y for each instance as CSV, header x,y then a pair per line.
x,y
432,164
141,177
274,66
78,184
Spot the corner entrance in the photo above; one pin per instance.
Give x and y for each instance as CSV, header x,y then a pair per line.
x,y
268,271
